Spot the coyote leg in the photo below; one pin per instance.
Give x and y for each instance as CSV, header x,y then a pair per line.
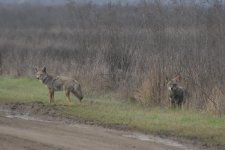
x,y
51,96
67,93
180,105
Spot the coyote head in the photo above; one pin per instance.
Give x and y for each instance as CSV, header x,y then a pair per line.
x,y
173,83
77,91
40,74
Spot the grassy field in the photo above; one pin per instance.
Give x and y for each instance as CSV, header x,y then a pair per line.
x,y
179,123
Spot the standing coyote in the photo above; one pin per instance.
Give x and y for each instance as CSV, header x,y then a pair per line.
x,y
59,83
176,92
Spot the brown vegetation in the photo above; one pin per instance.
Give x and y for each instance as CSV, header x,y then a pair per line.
x,y
125,48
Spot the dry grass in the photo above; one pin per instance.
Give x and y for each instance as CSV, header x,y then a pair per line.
x,y
217,104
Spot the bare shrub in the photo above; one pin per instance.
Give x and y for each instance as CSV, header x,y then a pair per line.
x,y
144,94
152,90
217,104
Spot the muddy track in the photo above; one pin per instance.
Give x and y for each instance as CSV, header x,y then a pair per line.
x,y
29,134
36,126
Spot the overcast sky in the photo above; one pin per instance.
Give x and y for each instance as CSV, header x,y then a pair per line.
x,y
57,2
63,1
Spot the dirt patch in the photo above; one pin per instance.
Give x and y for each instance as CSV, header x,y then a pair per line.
x,y
53,112
28,134
31,109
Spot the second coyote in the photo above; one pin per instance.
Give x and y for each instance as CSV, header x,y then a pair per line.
x,y
59,83
176,92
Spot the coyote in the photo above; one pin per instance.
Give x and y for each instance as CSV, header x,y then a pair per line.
x,y
59,83
176,92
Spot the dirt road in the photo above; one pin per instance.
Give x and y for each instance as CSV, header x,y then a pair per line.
x,y
19,134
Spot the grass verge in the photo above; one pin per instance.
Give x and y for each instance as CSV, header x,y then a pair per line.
x,y
188,124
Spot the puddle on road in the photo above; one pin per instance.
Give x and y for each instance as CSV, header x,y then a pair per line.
x,y
156,139
26,116
78,126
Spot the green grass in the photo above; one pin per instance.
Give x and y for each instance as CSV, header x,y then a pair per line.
x,y
25,90
180,123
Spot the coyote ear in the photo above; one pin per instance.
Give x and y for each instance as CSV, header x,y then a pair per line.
x,y
44,69
167,79
178,78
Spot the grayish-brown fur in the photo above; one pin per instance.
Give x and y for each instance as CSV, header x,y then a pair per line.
x,y
59,83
